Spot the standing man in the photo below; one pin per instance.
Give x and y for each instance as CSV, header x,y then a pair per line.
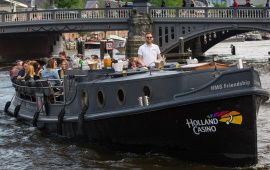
x,y
107,4
235,4
184,4
267,4
163,4
247,3
148,52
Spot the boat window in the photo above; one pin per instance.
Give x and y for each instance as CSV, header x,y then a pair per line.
x,y
101,98
146,91
84,98
121,96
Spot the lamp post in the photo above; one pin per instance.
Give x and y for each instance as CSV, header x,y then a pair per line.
x,y
51,6
142,6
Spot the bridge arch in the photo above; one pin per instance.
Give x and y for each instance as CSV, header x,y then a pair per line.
x,y
168,23
216,35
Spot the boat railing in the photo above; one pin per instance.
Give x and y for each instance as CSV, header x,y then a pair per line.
x,y
27,89
57,92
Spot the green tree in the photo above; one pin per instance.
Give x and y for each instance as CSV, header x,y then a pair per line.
x,y
261,5
69,4
169,3
220,5
46,5
82,34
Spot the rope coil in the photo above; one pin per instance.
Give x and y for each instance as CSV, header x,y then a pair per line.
x,y
81,127
60,121
16,110
35,119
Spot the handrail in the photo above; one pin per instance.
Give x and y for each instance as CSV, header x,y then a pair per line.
x,y
210,12
125,13
66,14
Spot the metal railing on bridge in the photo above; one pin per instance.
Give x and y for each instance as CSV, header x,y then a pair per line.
x,y
66,14
124,13
207,12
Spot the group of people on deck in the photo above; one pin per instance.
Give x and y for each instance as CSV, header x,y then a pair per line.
x,y
32,70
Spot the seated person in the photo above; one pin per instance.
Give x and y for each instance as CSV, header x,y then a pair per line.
x,y
50,72
30,74
133,62
37,69
21,73
94,58
63,66
15,70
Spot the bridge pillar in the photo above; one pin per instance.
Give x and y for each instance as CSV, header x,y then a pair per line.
x,y
139,25
197,49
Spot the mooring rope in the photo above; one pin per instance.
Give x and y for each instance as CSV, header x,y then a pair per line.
x,y
62,113
81,127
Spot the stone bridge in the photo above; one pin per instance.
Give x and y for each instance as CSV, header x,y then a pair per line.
x,y
200,27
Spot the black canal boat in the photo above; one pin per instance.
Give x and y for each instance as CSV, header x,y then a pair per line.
x,y
204,115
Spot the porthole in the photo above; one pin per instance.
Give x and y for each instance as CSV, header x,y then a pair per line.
x,y
146,91
84,98
100,98
121,97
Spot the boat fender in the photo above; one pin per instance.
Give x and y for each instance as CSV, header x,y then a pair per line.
x,y
81,121
16,110
35,119
60,121
7,106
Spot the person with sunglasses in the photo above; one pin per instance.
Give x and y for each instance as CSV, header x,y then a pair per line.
x,y
148,53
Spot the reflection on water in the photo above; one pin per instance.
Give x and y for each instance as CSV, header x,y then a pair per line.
x,y
25,147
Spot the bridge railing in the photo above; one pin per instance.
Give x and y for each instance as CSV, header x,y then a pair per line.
x,y
210,12
107,13
66,14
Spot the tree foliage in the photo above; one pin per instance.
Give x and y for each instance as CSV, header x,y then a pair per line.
x,y
220,5
82,34
261,5
69,4
169,3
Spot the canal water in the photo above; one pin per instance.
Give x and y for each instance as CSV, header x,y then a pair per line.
x,y
25,147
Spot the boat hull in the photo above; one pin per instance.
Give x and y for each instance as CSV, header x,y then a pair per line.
x,y
185,131
201,115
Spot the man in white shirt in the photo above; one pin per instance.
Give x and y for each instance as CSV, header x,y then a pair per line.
x,y
148,53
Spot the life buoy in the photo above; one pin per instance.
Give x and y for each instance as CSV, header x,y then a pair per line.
x,y
60,121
